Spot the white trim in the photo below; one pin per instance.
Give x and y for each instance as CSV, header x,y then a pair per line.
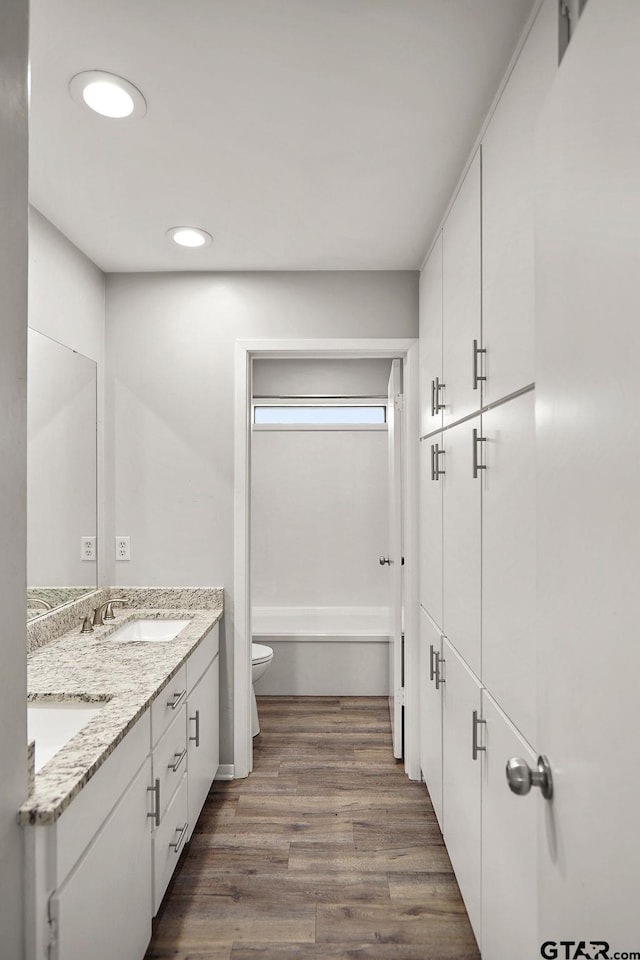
x,y
411,528
483,129
225,772
241,613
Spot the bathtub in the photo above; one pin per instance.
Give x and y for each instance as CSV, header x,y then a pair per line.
x,y
324,651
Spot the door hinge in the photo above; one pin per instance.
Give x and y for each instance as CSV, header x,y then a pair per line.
x,y
401,699
398,402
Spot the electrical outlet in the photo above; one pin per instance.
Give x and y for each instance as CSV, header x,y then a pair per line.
x,y
87,548
123,548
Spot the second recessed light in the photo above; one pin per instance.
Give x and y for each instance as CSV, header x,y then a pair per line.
x,y
190,236
107,94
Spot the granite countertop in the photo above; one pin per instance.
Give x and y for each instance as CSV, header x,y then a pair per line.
x,y
126,677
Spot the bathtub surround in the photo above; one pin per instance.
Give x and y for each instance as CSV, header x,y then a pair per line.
x,y
13,418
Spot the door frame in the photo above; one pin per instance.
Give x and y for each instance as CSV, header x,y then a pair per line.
x,y
238,611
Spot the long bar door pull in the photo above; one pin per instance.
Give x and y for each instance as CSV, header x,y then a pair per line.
x,y
438,387
476,464
439,678
476,352
475,723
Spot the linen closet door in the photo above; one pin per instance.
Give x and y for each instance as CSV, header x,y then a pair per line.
x,y
508,560
431,711
461,779
432,471
431,390
508,186
461,299
462,528
588,484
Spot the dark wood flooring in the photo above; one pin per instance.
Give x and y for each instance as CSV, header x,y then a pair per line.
x,y
326,852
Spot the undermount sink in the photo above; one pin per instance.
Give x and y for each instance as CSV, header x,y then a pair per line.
x,y
53,724
149,631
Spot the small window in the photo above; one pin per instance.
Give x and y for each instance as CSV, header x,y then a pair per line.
x,y
320,415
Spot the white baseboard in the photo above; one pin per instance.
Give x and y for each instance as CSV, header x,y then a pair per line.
x,y
226,771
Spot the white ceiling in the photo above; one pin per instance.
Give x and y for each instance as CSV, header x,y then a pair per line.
x,y
303,134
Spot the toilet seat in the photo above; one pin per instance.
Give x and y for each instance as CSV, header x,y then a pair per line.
x,y
260,653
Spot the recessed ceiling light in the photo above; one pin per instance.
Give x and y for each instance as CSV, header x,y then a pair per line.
x,y
190,236
108,95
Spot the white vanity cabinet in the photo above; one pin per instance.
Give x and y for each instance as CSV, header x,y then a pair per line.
x,y
88,889
97,875
203,738
103,910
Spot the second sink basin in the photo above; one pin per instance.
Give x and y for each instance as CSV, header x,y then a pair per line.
x,y
149,631
53,724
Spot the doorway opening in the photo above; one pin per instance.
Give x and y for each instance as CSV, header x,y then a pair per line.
x,y
322,574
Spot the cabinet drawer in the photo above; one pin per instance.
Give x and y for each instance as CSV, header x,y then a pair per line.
x,y
202,657
169,759
168,842
167,703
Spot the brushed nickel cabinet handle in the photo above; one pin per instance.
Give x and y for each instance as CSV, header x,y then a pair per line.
x,y
475,723
176,844
439,678
155,790
432,669
476,465
177,700
178,758
476,352
196,739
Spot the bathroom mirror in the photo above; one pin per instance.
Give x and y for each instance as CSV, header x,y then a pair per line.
x,y
61,474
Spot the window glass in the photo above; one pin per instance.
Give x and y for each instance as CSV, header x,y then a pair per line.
x,y
316,414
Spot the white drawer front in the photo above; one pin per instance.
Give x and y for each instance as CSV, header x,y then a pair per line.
x,y
170,699
169,759
168,842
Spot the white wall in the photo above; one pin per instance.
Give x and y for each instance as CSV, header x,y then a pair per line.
x,y
319,518
13,411
170,393
67,304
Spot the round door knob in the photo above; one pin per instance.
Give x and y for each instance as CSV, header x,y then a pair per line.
x,y
383,560
521,777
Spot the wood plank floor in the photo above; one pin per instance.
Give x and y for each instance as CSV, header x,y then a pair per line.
x,y
326,852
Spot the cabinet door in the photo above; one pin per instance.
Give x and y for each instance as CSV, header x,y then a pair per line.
x,y
461,784
509,875
508,212
431,713
508,561
96,913
461,298
462,497
431,340
204,739
431,526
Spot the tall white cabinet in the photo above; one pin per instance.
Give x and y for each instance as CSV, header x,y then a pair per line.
x,y
477,584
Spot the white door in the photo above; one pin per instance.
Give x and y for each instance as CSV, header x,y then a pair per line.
x,y
509,914
461,776
431,393
588,484
395,406
432,469
461,300
462,522
508,214
508,560
431,711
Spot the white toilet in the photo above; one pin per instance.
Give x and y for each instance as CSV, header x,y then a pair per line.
x,y
261,657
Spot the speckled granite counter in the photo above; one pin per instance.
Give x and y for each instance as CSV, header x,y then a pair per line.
x,y
126,677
